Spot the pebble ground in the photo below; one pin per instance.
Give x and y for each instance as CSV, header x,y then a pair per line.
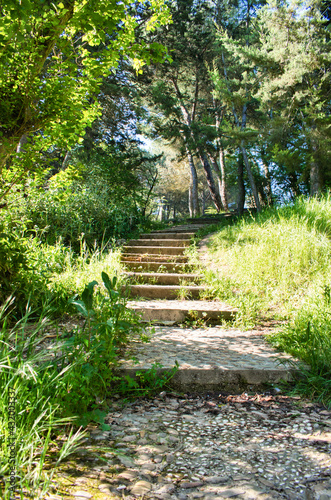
x,y
205,446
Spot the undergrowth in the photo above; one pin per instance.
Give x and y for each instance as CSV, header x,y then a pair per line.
x,y
277,264
56,384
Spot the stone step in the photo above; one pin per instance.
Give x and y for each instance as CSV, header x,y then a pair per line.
x,y
211,359
168,292
163,278
159,242
154,250
177,311
167,235
160,267
182,229
131,257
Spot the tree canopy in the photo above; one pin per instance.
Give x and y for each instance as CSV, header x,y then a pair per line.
x,y
53,58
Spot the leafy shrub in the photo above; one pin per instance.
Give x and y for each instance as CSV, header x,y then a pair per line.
x,y
77,213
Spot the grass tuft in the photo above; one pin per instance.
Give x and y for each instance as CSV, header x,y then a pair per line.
x,y
277,264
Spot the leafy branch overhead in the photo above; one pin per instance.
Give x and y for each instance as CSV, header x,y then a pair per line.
x,y
53,57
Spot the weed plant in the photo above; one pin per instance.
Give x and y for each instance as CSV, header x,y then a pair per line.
x,y
30,377
38,273
62,382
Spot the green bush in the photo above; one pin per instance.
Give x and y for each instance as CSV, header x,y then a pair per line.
x,y
75,214
308,337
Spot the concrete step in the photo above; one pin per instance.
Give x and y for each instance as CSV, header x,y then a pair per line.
x,y
131,257
163,278
183,228
154,250
171,235
159,242
160,267
168,292
177,311
211,359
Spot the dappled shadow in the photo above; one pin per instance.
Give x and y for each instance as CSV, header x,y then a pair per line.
x,y
208,348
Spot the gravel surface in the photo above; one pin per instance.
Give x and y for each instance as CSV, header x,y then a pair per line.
x,y
210,446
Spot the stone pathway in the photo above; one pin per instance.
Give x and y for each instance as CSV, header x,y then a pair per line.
x,y
209,444
209,358
205,446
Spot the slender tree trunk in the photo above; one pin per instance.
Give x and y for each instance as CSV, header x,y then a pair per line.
x,y
194,196
190,204
241,186
220,171
220,174
250,176
161,211
223,192
20,146
316,175
316,183
268,189
210,180
203,201
188,120
66,160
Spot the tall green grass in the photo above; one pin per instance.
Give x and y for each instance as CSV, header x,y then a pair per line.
x,y
29,376
57,382
278,264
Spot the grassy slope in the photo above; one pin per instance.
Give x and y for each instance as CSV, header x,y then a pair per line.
x,y
278,264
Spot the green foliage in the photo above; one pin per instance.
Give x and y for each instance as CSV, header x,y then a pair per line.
x,y
270,256
308,338
146,382
60,382
77,211
63,51
29,375
94,346
277,264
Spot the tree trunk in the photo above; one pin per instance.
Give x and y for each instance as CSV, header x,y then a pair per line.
x,y
194,199
223,192
190,204
203,201
220,171
66,160
250,176
316,176
210,181
294,185
316,181
241,186
161,211
20,146
220,174
268,190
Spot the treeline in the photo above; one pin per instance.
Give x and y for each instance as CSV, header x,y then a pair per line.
x,y
246,98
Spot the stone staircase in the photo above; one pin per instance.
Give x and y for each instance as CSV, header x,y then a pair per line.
x,y
157,268
166,290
